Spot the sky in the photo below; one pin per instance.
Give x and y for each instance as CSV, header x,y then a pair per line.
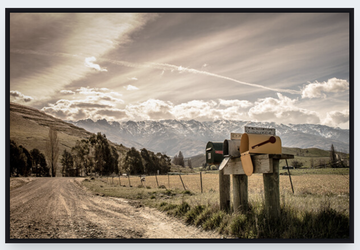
x,y
268,67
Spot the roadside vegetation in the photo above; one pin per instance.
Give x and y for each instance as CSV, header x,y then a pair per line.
x,y
318,209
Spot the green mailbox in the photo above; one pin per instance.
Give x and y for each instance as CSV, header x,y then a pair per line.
x,y
214,152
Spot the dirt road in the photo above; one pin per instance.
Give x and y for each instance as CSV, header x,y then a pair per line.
x,y
61,208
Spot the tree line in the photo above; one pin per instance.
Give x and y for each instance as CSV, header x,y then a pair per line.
x,y
25,163
87,157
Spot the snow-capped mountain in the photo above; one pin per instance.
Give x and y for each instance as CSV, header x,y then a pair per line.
x,y
190,137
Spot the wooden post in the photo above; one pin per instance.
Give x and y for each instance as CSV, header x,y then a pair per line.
x,y
157,183
224,190
129,180
201,182
182,182
272,191
119,181
168,180
240,193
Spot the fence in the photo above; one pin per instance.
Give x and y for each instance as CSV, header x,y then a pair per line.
x,y
320,184
198,183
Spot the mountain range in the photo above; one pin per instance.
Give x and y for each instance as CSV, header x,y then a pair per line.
x,y
190,136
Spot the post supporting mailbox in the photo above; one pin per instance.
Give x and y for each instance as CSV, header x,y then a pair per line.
x,y
257,153
268,165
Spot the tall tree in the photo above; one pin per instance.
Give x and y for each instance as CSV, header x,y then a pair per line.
x,y
27,169
18,160
52,150
133,163
181,159
68,163
189,163
333,160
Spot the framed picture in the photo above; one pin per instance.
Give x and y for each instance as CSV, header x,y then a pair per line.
x,y
180,125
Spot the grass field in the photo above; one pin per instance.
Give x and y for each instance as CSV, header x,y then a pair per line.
x,y
319,207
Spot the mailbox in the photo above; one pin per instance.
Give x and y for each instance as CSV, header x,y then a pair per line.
x,y
257,144
232,148
260,144
214,152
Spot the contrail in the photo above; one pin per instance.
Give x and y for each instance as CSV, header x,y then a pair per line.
x,y
161,66
182,69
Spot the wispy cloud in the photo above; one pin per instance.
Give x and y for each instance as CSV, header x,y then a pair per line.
x,y
132,79
67,92
89,62
130,87
19,97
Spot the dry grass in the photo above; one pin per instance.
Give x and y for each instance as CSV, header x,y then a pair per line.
x,y
318,184
311,191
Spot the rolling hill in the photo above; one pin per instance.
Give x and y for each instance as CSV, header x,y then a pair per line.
x,y
30,127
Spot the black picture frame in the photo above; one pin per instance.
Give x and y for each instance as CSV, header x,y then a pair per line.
x,y
350,11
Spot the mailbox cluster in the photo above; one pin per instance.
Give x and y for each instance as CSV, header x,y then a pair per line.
x,y
258,150
243,146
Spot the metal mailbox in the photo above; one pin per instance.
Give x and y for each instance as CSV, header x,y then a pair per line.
x,y
257,144
260,144
214,152
232,148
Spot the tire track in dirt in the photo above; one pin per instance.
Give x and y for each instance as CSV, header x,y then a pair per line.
x,y
61,208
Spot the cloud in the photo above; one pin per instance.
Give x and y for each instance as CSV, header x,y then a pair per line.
x,y
151,109
89,63
131,87
317,89
237,103
335,118
281,110
67,92
132,79
19,97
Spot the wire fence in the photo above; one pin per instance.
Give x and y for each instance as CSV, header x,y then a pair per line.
x,y
320,184
198,182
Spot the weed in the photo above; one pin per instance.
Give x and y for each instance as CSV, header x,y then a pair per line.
x,y
187,192
203,216
214,220
191,215
182,209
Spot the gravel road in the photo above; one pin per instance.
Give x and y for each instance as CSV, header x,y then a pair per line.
x,y
60,208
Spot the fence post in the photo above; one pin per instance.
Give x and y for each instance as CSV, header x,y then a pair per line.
x,y
201,182
224,190
168,180
129,180
119,181
157,183
240,192
182,182
272,191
